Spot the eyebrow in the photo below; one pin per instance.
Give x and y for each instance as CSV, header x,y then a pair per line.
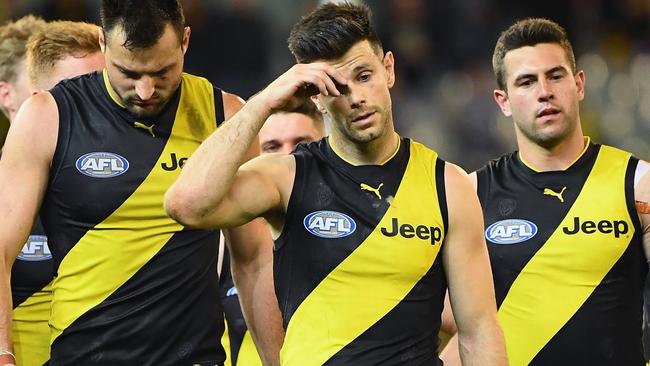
x,y
547,72
556,69
302,138
272,141
360,67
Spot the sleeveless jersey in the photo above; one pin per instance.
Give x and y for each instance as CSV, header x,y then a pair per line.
x,y
358,270
31,294
567,259
133,287
236,339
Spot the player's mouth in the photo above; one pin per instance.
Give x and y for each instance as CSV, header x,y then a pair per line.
x,y
363,118
548,113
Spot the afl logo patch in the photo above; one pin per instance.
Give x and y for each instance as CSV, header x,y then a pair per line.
x,y
511,231
329,224
232,292
35,249
102,165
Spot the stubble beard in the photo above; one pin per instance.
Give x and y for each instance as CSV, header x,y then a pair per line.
x,y
369,134
146,113
551,139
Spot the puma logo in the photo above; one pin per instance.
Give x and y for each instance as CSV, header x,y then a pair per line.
x,y
550,192
144,127
365,187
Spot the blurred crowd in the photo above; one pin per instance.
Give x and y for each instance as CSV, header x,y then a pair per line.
x,y
443,52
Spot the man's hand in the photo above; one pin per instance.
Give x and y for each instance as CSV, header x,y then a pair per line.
x,y
300,82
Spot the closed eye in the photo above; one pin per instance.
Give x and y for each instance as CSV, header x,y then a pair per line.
x,y
270,147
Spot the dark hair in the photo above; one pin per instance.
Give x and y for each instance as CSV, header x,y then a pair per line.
x,y
330,31
529,32
143,21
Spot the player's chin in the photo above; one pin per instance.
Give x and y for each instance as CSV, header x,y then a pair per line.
x,y
364,136
145,112
552,138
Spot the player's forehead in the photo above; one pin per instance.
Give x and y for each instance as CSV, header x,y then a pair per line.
x,y
361,55
285,125
163,52
535,59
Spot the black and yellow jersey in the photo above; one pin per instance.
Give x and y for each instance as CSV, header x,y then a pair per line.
x,y
567,258
358,270
31,275
132,286
236,339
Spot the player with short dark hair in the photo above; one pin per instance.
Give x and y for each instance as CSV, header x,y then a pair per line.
x,y
369,227
567,220
132,286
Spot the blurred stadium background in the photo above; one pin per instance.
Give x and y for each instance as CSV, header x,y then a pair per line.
x,y
443,50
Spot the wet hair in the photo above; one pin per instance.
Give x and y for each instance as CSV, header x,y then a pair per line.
x,y
529,32
143,21
330,31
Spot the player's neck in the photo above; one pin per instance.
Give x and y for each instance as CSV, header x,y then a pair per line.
x,y
375,152
559,157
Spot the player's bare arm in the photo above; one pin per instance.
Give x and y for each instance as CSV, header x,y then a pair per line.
x,y
450,354
471,291
251,252
212,190
642,198
24,172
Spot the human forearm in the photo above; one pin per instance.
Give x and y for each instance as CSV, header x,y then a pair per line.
x,y
209,173
261,311
483,345
209,190
5,308
252,268
471,291
450,355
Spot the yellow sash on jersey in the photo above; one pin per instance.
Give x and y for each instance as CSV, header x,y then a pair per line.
x,y
31,332
246,355
113,251
374,278
565,271
225,343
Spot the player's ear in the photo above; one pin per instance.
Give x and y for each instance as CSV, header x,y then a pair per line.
x,y
319,105
501,97
389,65
186,39
102,40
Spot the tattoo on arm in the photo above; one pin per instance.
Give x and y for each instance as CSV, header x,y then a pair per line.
x,y
642,207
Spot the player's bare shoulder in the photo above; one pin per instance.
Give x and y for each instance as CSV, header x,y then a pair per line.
x,y
232,103
37,120
642,188
456,179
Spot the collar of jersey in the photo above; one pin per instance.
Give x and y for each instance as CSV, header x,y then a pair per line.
x,y
110,90
587,141
340,156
